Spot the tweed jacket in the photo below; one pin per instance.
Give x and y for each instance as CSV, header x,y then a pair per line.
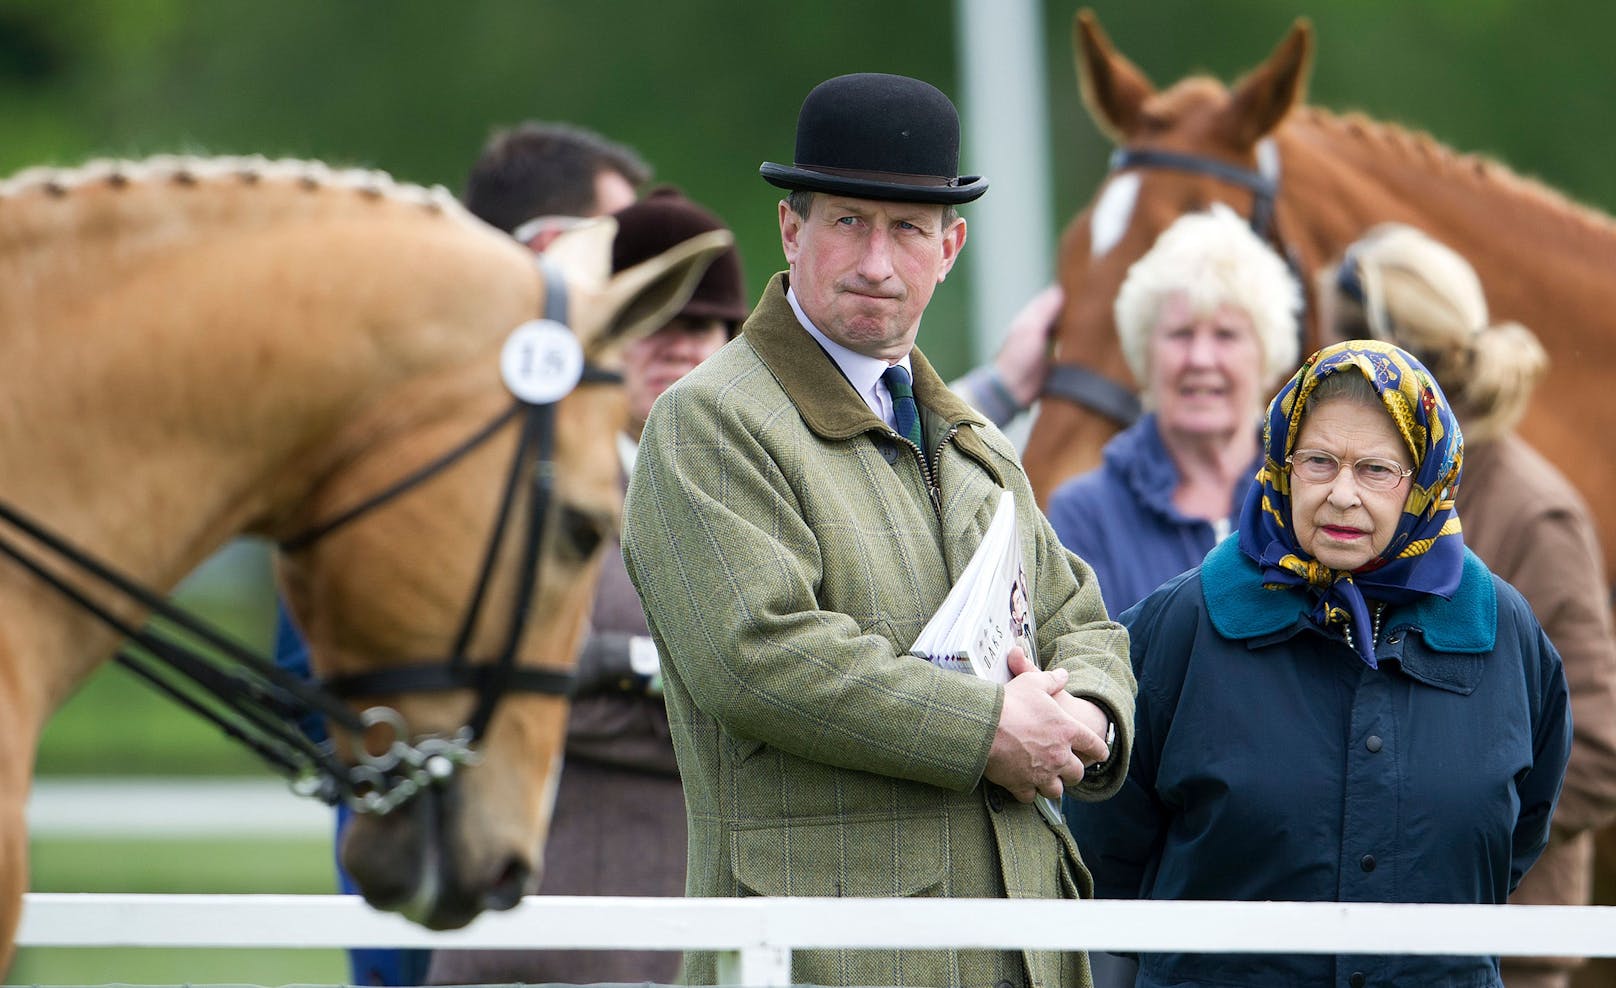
x,y
788,547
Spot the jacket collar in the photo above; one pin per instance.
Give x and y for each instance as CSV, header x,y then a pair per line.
x,y
1241,608
827,403
1139,455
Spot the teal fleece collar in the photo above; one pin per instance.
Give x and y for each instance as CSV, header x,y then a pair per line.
x,y
1241,608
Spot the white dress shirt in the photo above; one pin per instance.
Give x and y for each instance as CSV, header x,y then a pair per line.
x,y
863,372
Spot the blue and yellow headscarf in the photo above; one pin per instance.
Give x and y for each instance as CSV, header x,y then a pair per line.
x,y
1426,552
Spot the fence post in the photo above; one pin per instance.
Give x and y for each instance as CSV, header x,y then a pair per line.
x,y
763,965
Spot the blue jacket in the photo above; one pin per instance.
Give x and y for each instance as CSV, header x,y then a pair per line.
x,y
1120,518
1271,763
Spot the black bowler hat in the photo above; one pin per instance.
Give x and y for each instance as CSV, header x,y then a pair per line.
x,y
877,136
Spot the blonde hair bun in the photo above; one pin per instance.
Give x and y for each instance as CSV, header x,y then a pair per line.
x,y
1419,294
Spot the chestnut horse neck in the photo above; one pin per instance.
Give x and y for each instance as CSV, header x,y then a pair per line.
x,y
184,337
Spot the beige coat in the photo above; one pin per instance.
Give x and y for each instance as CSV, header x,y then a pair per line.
x,y
788,550
1524,520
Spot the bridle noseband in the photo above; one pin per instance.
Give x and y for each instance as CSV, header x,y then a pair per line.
x,y
257,703
1098,393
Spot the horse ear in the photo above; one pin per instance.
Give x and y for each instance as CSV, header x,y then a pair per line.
x,y
585,252
643,298
1113,88
1267,93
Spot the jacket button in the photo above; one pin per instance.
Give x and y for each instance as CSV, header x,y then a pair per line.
x,y
995,800
1367,862
1357,980
889,452
1373,743
1004,983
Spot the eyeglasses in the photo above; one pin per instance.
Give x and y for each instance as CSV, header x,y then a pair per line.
x,y
1316,466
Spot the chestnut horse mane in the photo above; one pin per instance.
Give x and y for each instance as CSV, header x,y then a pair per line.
x,y
1386,139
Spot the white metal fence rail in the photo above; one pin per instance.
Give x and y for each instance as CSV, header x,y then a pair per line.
x,y
757,936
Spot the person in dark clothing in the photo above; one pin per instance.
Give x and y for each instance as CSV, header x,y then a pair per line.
x,y
1341,703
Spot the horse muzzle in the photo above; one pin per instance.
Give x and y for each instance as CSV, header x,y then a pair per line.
x,y
415,861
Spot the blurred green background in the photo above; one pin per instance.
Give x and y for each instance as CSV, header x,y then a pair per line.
x,y
706,90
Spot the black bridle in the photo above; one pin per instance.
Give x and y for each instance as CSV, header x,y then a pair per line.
x,y
257,703
1098,393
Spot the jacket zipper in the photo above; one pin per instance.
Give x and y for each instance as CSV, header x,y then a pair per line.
x,y
925,471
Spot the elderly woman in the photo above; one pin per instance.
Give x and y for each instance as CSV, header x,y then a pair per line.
x,y
1341,703
1207,320
1522,517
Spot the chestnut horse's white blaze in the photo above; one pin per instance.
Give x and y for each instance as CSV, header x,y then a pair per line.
x,y
200,348
1113,211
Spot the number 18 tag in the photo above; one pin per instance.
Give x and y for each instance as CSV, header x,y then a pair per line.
x,y
541,362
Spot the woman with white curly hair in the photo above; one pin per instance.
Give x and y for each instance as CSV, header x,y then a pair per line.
x,y
1208,325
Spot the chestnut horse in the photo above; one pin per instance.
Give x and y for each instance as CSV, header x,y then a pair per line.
x,y
201,348
1314,182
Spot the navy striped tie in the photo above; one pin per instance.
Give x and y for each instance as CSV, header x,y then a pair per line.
x,y
904,410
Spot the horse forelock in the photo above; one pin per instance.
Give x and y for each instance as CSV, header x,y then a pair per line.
x,y
1195,95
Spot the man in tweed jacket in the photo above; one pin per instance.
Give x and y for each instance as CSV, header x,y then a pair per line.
x,y
789,543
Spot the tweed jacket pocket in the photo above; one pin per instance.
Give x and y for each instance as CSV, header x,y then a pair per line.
x,y
877,858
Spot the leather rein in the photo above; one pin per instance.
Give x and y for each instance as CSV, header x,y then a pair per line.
x,y
259,704
1089,388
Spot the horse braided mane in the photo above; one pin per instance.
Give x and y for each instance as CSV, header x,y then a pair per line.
x,y
62,221
1477,169
192,170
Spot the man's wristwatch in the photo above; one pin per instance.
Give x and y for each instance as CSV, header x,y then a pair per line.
x,y
1110,742
646,664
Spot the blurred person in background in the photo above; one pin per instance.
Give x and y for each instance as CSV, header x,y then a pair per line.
x,y
538,170
1521,516
526,175
1006,386
1207,321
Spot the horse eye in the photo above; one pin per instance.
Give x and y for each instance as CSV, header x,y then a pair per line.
x,y
582,531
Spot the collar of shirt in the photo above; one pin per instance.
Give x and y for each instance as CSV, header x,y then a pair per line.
x,y
863,372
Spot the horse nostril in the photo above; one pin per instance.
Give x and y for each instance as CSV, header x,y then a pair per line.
x,y
506,891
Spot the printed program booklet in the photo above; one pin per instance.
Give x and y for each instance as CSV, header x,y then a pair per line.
x,y
986,613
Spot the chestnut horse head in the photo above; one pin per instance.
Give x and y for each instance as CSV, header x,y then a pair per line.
x,y
1313,182
201,348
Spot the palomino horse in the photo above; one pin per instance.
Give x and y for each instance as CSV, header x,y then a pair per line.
x,y
200,348
1314,182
